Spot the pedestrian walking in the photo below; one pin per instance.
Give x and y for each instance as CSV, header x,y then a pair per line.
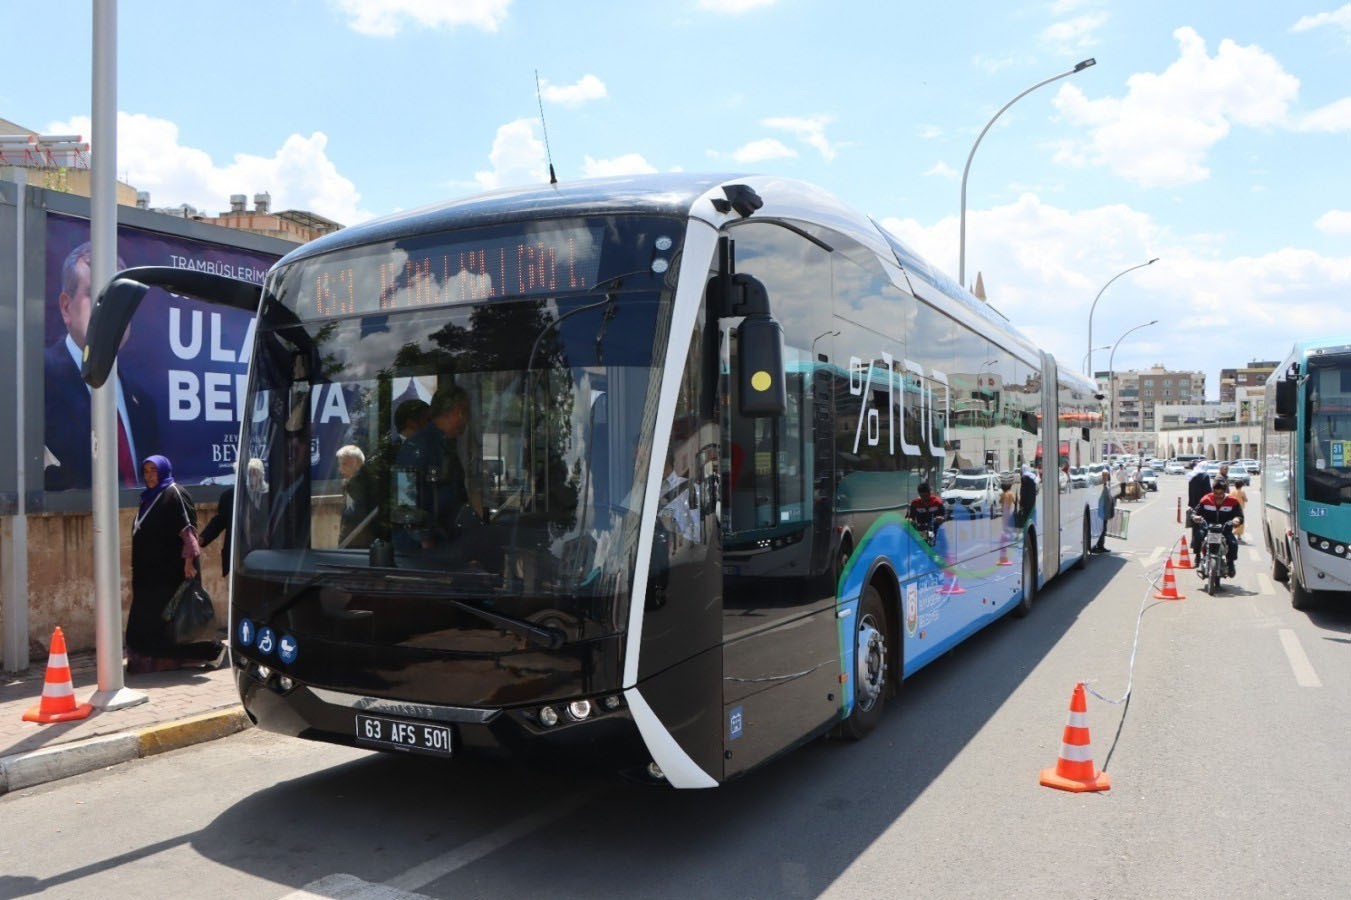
x,y
1238,493
164,554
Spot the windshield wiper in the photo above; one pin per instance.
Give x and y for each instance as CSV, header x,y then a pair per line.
x,y
433,583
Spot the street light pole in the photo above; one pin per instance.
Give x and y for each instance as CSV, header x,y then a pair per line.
x,y
1111,370
1084,364
1091,348
961,253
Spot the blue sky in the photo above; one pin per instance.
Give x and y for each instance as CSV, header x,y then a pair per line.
x,y
1214,136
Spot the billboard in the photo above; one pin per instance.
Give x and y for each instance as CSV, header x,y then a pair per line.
x,y
181,369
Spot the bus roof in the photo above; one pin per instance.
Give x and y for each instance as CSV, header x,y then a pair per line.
x,y
674,193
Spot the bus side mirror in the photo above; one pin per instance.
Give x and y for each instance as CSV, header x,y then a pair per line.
x,y
118,301
1283,423
761,387
760,377
1286,399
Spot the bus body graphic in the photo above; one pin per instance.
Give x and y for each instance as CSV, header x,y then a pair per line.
x,y
637,458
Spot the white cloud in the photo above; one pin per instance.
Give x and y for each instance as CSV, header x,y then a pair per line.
x,y
1040,271
628,164
1340,18
589,87
1076,33
942,170
1335,117
386,18
733,7
929,132
811,130
1334,221
298,175
517,156
1160,132
762,150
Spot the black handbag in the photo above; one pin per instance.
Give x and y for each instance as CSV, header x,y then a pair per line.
x,y
189,615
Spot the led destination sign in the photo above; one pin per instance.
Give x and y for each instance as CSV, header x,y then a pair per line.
x,y
446,269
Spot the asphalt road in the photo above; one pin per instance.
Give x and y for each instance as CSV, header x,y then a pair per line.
x,y
1229,769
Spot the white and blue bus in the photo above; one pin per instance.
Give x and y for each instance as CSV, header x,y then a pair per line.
x,y
658,516
1306,470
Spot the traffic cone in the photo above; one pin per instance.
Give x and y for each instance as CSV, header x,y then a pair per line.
x,y
1004,556
1169,590
58,692
1074,769
1184,559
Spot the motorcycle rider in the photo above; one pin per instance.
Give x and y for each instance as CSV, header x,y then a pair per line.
x,y
926,511
1218,508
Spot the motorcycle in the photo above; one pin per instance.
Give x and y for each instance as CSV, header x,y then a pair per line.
x,y
1212,563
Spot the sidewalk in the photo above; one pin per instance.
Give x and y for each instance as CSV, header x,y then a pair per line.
x,y
186,707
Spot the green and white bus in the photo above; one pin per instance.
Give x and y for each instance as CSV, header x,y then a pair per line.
x,y
1306,471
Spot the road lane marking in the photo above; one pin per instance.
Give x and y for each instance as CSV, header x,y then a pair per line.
x,y
1149,561
349,887
433,869
1305,676
1264,584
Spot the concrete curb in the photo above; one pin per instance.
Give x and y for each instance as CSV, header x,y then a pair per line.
x,y
24,770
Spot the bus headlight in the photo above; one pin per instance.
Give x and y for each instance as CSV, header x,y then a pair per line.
x,y
579,709
548,716
611,703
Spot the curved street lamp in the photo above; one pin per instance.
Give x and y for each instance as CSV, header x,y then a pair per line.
x,y
961,253
1111,371
1084,365
1091,348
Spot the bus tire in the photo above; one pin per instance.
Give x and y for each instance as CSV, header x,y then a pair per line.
x,y
872,659
1301,598
1029,576
1279,570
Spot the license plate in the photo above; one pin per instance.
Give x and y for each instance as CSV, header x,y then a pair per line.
x,y
398,734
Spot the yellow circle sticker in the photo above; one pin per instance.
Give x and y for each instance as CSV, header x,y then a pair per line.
x,y
761,380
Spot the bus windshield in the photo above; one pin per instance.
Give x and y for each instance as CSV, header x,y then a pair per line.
x,y
483,442
1327,446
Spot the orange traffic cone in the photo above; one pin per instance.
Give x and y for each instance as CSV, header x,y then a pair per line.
x,y
1074,769
1169,590
58,692
1184,559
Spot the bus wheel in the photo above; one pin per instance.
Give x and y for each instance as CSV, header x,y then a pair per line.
x,y
1279,570
1300,597
1029,576
871,657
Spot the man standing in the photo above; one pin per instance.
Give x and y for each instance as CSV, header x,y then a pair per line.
x,y
1106,509
67,396
433,477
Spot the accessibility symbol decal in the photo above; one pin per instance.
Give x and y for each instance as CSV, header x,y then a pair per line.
x,y
287,648
247,632
267,639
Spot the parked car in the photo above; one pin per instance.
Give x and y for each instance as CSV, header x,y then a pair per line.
x,y
1173,467
1079,476
1239,473
1149,479
1254,467
978,494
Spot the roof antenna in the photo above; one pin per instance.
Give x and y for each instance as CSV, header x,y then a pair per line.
x,y
553,179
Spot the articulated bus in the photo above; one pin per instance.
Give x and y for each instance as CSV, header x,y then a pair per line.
x,y
1306,470
657,518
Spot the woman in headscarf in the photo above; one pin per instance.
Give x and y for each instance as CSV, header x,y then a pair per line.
x,y
164,553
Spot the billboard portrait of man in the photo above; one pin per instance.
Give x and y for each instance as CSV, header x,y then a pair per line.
x,y
68,405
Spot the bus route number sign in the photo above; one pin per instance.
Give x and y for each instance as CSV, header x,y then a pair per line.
x,y
397,734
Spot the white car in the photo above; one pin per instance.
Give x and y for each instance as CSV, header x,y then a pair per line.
x,y
1173,467
1149,479
979,494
